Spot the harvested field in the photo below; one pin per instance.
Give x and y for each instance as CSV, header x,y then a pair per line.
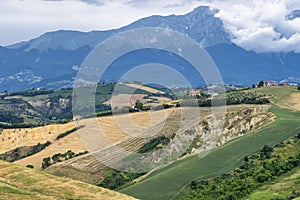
x,y
142,87
97,134
71,142
292,102
14,138
122,100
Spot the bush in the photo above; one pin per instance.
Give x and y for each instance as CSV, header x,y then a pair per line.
x,y
153,144
30,166
23,152
59,157
46,162
116,179
68,132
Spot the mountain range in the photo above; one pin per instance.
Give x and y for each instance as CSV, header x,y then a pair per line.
x,y
53,59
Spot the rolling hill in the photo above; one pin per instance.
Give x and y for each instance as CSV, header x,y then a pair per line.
x,y
247,128
17,182
167,183
41,107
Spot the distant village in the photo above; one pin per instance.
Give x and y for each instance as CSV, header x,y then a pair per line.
x,y
274,83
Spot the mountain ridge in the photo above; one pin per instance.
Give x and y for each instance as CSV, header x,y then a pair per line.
x,y
72,40
52,60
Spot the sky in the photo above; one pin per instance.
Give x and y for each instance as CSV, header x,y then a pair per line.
x,y
258,25
26,19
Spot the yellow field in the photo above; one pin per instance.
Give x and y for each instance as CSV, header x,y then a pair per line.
x,y
292,102
13,138
105,131
123,100
142,87
70,142
17,182
96,134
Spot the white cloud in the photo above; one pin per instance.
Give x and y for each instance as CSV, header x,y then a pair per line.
x,y
260,25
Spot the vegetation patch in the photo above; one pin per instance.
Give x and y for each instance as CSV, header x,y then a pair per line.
x,y
116,180
23,152
155,144
32,93
10,117
62,135
258,169
60,157
228,98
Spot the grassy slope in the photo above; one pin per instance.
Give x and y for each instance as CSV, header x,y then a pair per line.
x,y
277,93
280,188
168,182
18,182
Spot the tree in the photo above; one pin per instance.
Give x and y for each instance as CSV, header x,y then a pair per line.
x,y
56,158
138,105
46,162
260,84
267,149
298,87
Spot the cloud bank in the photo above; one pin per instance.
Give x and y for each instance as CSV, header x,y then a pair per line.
x,y
261,25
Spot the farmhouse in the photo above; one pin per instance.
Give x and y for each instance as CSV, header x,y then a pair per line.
x,y
77,117
270,83
194,92
283,83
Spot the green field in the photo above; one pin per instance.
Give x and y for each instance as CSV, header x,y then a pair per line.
x,y
277,93
167,183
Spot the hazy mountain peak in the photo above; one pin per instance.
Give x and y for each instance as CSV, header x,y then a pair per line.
x,y
61,39
200,24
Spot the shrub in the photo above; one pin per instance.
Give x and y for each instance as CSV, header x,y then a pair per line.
x,y
30,166
153,144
